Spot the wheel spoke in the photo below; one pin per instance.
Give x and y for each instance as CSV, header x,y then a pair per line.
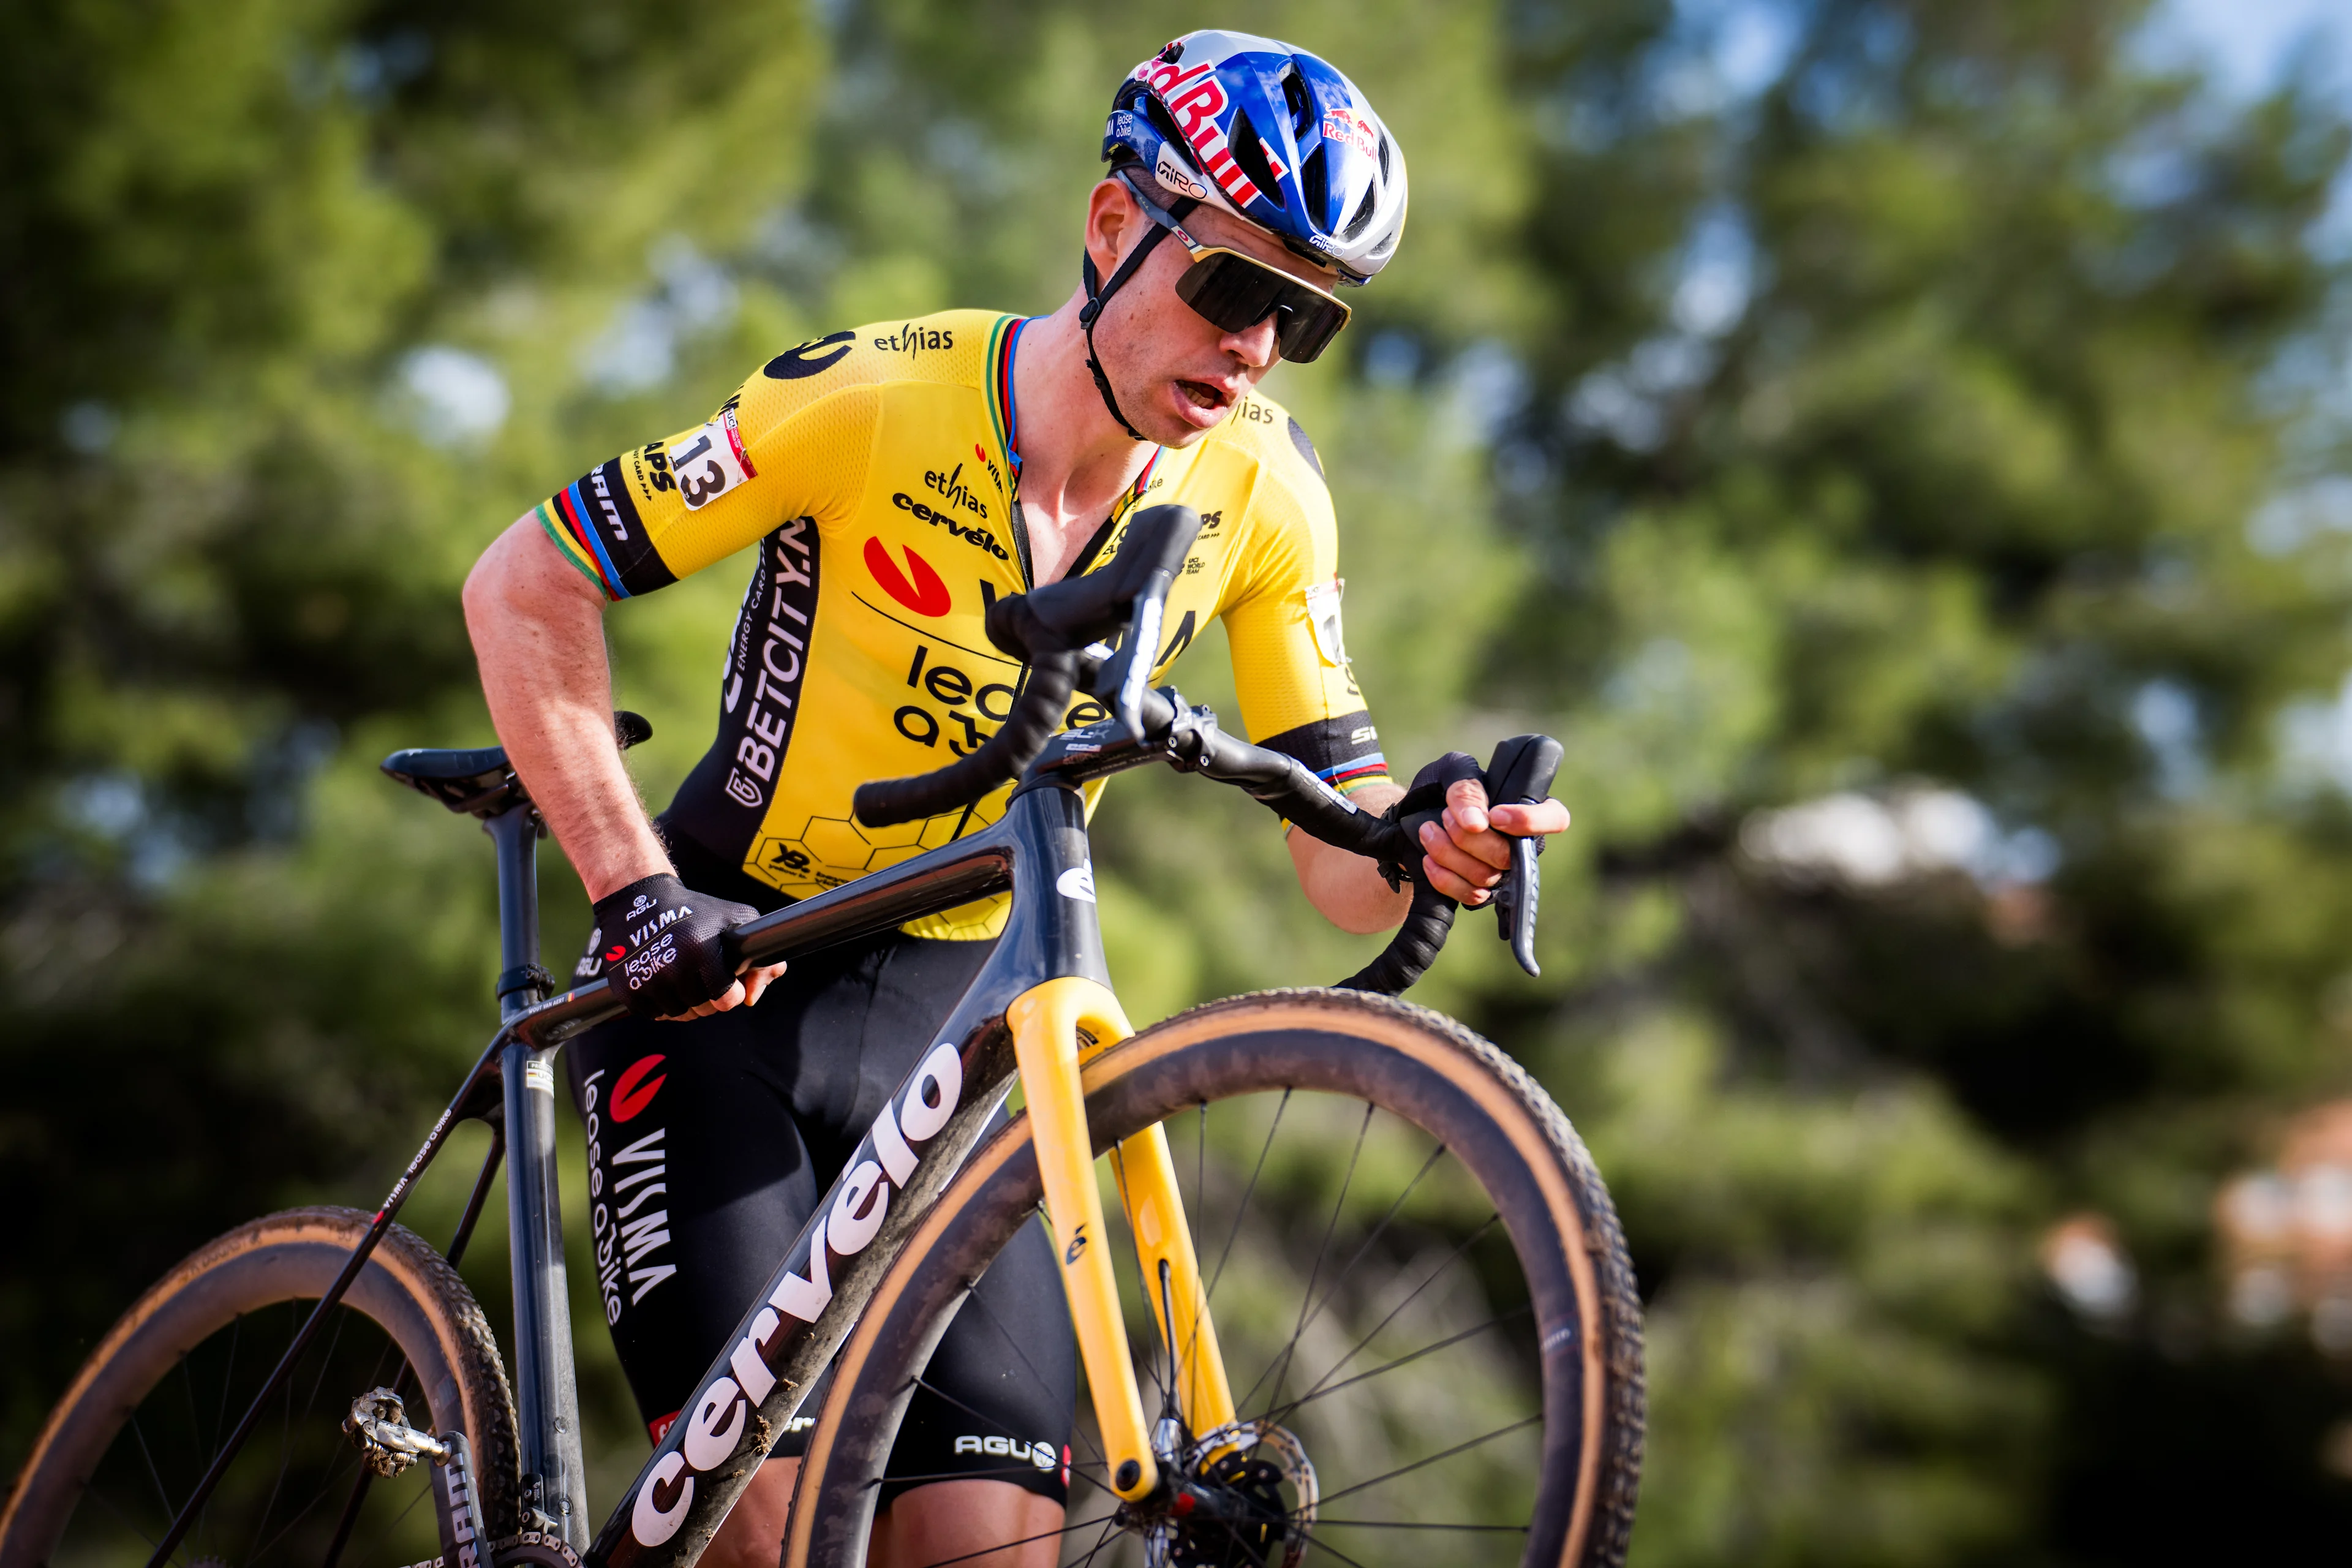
x,y
285,1436
1008,1545
973,1295
228,1377
326,1361
1242,1212
1377,1232
350,1517
1400,1524
304,1512
1330,1228
1434,1459
1319,1392
1110,1525
1326,1546
1447,1262
116,1510
162,1495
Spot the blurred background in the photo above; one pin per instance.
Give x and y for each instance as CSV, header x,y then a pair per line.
x,y
1900,446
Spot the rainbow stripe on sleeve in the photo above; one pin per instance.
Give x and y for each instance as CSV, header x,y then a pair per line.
x,y
1351,776
565,521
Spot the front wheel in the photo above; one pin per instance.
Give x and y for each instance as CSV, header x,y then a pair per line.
x,y
1427,1312
155,1402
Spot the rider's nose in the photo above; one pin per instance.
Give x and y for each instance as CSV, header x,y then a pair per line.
x,y
1253,346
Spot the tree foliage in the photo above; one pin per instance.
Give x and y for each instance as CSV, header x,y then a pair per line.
x,y
1894,407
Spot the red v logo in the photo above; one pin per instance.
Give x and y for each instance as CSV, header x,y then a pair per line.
x,y
924,593
631,1092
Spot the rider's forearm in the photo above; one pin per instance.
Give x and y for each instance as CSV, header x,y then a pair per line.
x,y
1349,889
539,635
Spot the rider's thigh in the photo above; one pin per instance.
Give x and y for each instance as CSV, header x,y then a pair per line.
x,y
753,1533
959,1521
699,1180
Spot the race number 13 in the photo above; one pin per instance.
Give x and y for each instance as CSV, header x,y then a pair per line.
x,y
710,461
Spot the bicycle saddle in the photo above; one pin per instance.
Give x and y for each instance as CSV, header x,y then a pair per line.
x,y
481,782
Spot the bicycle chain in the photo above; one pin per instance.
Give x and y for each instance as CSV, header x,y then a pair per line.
x,y
532,1546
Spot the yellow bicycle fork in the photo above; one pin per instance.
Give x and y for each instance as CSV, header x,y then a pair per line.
x,y
1056,1026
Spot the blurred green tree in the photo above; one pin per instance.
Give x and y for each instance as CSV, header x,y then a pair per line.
x,y
1878,435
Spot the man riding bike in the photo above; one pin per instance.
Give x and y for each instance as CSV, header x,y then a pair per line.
x,y
898,479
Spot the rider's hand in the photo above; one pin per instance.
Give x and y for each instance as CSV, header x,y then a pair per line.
x,y
660,944
1466,851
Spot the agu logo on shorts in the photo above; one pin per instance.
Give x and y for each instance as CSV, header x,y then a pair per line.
x,y
918,588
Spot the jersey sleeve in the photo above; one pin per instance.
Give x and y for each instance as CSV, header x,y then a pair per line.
x,y
794,441
1298,692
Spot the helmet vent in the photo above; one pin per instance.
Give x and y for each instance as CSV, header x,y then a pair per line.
x,y
1384,157
1315,183
1301,103
1165,123
1252,157
1363,215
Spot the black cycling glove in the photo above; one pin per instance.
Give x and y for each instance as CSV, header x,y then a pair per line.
x,y
659,943
1424,802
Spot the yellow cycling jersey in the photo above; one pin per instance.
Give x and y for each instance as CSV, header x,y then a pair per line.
x,y
879,471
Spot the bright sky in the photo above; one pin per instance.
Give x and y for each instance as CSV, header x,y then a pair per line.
x,y
2253,43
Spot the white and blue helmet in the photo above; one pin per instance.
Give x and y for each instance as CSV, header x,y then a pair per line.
x,y
1272,134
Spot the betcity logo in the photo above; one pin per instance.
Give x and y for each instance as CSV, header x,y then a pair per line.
x,y
787,591
713,1424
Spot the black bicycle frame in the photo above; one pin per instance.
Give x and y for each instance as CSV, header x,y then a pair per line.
x,y
756,1385
1038,852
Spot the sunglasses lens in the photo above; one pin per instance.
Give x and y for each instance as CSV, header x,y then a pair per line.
x,y
1307,333
1233,293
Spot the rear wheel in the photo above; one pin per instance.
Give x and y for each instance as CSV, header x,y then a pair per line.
x,y
155,1402
1425,1305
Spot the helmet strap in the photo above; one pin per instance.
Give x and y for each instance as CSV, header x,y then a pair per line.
x,y
1098,293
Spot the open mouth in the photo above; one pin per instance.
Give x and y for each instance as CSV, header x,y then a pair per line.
x,y
1202,394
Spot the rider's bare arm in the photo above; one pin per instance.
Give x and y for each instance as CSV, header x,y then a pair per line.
x,y
538,629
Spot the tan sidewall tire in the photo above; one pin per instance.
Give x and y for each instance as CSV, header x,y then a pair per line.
x,y
408,1288
1415,1063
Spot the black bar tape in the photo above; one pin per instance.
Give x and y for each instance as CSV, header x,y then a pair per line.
x,y
1412,949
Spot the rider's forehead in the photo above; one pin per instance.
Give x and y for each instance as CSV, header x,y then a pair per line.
x,y
1211,226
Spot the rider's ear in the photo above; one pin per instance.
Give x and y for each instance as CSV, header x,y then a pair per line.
x,y
1114,224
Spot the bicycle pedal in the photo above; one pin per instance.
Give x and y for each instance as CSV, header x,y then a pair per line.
x,y
379,1429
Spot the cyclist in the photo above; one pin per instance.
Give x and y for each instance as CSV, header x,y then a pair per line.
x,y
897,478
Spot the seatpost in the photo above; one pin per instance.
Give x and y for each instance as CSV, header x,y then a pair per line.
x,y
554,1478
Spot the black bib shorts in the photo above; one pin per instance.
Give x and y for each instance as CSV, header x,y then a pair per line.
x,y
709,1143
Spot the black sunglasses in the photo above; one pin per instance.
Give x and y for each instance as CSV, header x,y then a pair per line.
x,y
1234,292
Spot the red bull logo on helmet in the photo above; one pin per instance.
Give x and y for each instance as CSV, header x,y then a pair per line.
x,y
1200,104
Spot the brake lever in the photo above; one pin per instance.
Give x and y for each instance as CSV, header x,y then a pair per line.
x,y
1520,774
1123,678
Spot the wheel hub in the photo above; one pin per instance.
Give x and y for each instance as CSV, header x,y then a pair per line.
x,y
1242,1497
